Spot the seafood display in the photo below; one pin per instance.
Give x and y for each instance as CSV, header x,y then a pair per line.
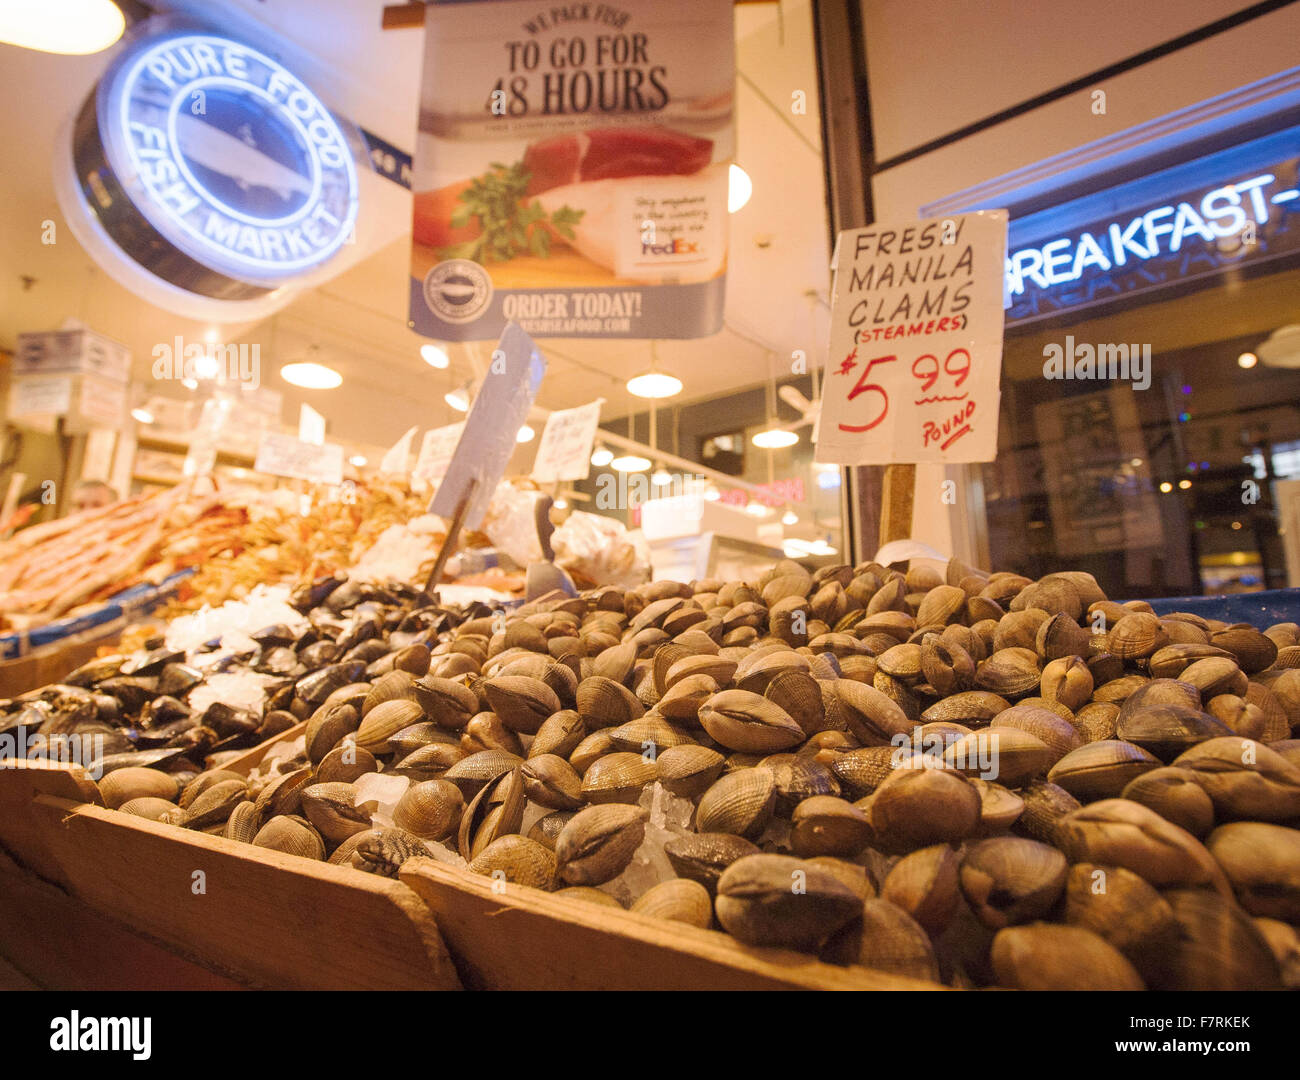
x,y
972,778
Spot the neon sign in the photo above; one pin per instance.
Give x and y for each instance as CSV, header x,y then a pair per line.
x,y
1162,230
238,176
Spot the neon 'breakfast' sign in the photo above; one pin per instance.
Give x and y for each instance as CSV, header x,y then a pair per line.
x,y
230,162
1222,212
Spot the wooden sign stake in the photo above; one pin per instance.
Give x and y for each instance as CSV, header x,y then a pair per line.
x,y
896,498
453,536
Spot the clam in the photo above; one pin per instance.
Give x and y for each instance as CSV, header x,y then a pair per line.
x,y
546,829
1068,680
1118,832
677,900
395,686
744,721
688,770
702,857
332,809
497,810
617,777
152,808
873,717
1009,879
1118,905
551,781
1254,651
1262,862
650,735
560,733
383,851
682,702
782,901
1175,795
597,843
346,763
430,809
1244,779
602,703
518,860
215,803
972,708
1009,672
590,895
1044,956
282,794
486,731
1057,734
1284,942
472,773
826,825
1000,808
445,701
946,666
887,939
739,802
798,778
1097,721
385,720
1060,636
327,727
1137,635
1102,769
1216,946
915,808
924,884
863,770
292,836
1238,715
135,783
1006,754
521,702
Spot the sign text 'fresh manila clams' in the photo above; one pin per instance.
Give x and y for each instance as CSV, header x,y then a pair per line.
x,y
916,342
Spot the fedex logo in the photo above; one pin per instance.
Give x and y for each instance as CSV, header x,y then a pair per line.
x,y
676,246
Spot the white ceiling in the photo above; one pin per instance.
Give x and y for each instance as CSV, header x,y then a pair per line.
x,y
778,262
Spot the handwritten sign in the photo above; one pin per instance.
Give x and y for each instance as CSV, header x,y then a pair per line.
x,y
436,450
916,342
564,452
398,457
283,455
509,390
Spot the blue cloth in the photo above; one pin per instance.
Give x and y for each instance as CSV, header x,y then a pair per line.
x,y
1261,609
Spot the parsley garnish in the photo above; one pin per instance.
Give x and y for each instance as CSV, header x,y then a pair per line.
x,y
510,228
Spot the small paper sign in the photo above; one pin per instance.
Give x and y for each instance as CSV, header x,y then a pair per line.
x,y
564,452
916,342
436,450
311,426
485,446
398,458
283,455
32,395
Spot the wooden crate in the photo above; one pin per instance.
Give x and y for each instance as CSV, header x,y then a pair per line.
x,y
521,938
245,915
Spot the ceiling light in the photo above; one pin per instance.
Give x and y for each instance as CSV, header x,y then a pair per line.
x,y
755,509
654,384
561,503
1247,360
602,456
434,356
789,518
631,463
525,434
206,366
661,477
141,414
190,384
775,438
1136,463
311,376
1166,487
458,399
1184,484
1236,524
70,27
358,460
739,188
712,494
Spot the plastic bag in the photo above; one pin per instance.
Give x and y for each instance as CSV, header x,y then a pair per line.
x,y
601,551
511,523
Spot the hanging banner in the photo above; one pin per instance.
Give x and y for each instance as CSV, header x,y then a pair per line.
x,y
564,452
915,355
572,169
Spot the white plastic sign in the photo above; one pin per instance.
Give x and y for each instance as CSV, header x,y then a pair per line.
x,y
283,455
564,451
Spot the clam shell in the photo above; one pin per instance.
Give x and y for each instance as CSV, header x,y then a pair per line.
x,y
650,734
243,823
1245,779
702,857
739,802
677,900
1101,770
327,727
863,771
1058,735
130,783
551,781
1117,905
1000,808
1067,680
430,809
291,836
332,810
472,773
924,884
518,860
1216,947
758,904
914,808
590,895
1175,795
826,825
1166,730
889,940
597,843
1005,754
688,770
385,720
1254,650
602,702
1009,880
1045,956
151,807
873,717
1262,862
1045,805
395,686
1009,672
744,721
445,701
545,829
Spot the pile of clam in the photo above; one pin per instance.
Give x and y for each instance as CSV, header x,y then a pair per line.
x,y
977,779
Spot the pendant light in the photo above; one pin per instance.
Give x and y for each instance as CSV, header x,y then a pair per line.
x,y
654,383
773,437
629,461
602,456
67,27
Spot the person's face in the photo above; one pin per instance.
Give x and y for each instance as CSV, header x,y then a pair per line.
x,y
90,499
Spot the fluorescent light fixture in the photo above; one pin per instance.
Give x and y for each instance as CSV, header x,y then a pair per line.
x,y
712,494
434,356
654,384
142,414
458,399
739,188
755,509
789,518
1166,487
775,438
661,477
525,434
70,27
311,376
602,456
631,463
1184,484
190,384
358,460
1247,360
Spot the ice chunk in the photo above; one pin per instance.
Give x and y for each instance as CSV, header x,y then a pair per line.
x,y
234,620
239,690
385,789
776,837
444,854
667,811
